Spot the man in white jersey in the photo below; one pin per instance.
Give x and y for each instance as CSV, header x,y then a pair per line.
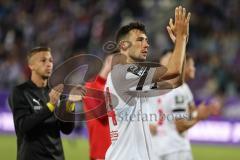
x,y
131,82
177,114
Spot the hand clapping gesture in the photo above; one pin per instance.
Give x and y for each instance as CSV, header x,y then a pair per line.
x,y
179,27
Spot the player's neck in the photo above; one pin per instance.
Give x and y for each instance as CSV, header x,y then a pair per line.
x,y
38,80
131,60
127,58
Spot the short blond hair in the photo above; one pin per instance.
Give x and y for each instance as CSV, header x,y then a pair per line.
x,y
36,50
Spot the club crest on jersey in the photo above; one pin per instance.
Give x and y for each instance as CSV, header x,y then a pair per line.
x,y
179,99
137,70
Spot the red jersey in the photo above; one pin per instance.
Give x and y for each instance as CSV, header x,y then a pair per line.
x,y
98,127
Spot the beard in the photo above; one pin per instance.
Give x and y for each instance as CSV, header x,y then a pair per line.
x,y
45,77
138,59
41,74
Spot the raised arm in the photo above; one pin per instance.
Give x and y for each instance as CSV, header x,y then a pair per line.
x,y
180,35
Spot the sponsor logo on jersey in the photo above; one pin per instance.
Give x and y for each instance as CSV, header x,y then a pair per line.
x,y
36,101
114,135
137,70
37,108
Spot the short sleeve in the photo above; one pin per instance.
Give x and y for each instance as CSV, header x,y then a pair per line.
x,y
132,78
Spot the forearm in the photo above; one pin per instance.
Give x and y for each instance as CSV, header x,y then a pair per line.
x,y
66,116
170,84
183,125
176,62
172,72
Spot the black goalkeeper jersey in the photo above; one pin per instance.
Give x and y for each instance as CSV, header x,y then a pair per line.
x,y
36,127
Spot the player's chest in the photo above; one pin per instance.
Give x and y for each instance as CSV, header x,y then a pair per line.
x,y
37,99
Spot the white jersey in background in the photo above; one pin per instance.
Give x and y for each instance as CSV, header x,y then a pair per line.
x,y
129,126
168,141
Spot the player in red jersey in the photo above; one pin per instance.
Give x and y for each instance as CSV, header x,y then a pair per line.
x,y
97,121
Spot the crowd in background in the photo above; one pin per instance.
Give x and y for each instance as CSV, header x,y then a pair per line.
x,y
74,27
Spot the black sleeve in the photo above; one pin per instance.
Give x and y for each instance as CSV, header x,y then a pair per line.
x,y
25,121
65,119
66,127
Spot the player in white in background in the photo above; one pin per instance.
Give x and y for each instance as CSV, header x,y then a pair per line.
x,y
177,114
131,84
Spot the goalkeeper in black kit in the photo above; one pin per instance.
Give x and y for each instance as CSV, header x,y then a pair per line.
x,y
33,104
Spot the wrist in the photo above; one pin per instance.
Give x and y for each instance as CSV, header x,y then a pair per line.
x,y
50,106
181,37
70,106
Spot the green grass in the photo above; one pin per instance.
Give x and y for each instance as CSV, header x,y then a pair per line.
x,y
211,152
74,149
77,149
8,147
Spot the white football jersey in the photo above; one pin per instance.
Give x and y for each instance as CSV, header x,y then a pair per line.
x,y
172,105
129,86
